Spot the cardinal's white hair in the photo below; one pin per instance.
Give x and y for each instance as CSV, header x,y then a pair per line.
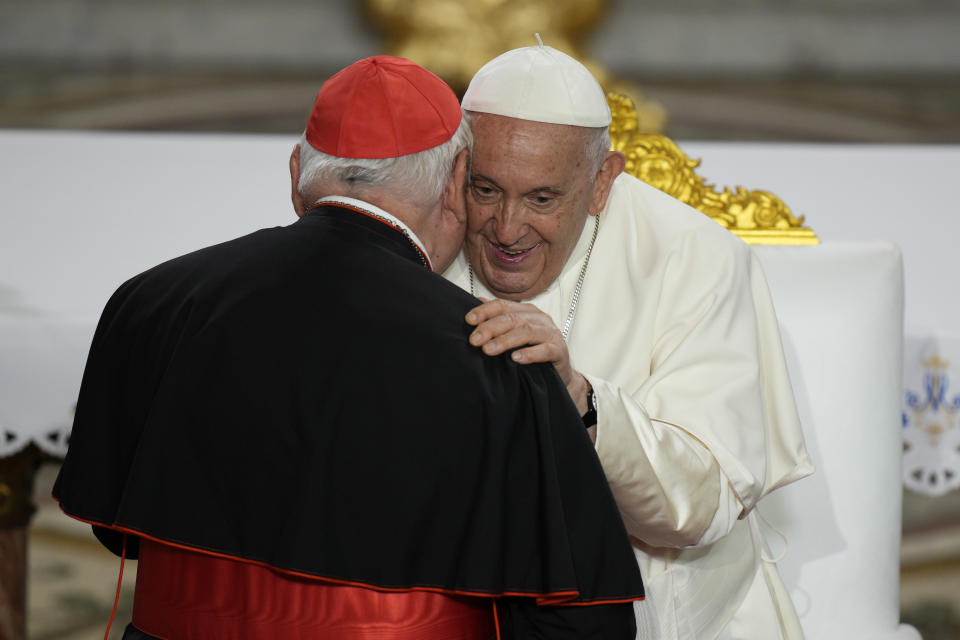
x,y
419,178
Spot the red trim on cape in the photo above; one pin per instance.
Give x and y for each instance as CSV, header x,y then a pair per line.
x,y
553,598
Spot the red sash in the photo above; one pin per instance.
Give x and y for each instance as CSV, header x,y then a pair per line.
x,y
186,595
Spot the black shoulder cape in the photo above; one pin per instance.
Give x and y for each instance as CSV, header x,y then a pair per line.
x,y
305,397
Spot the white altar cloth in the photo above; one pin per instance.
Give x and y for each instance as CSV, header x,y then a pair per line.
x,y
82,212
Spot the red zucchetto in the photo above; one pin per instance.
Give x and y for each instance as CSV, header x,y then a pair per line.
x,y
382,107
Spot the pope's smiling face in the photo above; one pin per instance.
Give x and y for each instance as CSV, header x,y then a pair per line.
x,y
531,188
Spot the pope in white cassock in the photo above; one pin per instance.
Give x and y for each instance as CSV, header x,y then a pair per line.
x,y
658,320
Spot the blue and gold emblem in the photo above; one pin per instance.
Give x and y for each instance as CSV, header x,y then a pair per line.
x,y
931,434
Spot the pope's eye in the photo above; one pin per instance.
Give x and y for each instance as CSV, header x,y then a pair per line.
x,y
483,192
542,200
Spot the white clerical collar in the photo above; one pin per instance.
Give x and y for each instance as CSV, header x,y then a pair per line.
x,y
372,208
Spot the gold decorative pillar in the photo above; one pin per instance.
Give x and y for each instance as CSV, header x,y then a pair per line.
x,y
454,38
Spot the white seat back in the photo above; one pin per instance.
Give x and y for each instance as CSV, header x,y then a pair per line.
x,y
841,317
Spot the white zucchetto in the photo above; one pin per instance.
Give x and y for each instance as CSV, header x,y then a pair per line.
x,y
538,83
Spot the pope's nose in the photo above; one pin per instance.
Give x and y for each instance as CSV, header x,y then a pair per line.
x,y
509,226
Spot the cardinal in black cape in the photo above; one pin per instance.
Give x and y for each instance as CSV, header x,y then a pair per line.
x,y
294,435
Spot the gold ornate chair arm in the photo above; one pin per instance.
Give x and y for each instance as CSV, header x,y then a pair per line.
x,y
759,217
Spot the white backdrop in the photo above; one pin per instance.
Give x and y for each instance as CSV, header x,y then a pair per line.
x,y
107,204
902,193
82,212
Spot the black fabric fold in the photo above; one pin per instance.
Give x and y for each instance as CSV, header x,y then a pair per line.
x,y
306,397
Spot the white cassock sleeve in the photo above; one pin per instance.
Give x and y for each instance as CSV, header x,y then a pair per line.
x,y
709,426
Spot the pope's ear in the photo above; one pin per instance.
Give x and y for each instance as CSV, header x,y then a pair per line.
x,y
295,196
613,165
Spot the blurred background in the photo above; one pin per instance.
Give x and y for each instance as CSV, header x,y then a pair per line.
x,y
824,70
810,71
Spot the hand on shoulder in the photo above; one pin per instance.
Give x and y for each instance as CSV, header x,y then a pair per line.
x,y
502,325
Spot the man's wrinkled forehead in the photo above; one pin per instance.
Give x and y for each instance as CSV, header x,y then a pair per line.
x,y
499,138
558,134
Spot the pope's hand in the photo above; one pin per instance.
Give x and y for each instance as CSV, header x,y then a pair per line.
x,y
502,325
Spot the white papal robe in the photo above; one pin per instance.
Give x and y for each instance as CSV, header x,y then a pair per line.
x,y
676,332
